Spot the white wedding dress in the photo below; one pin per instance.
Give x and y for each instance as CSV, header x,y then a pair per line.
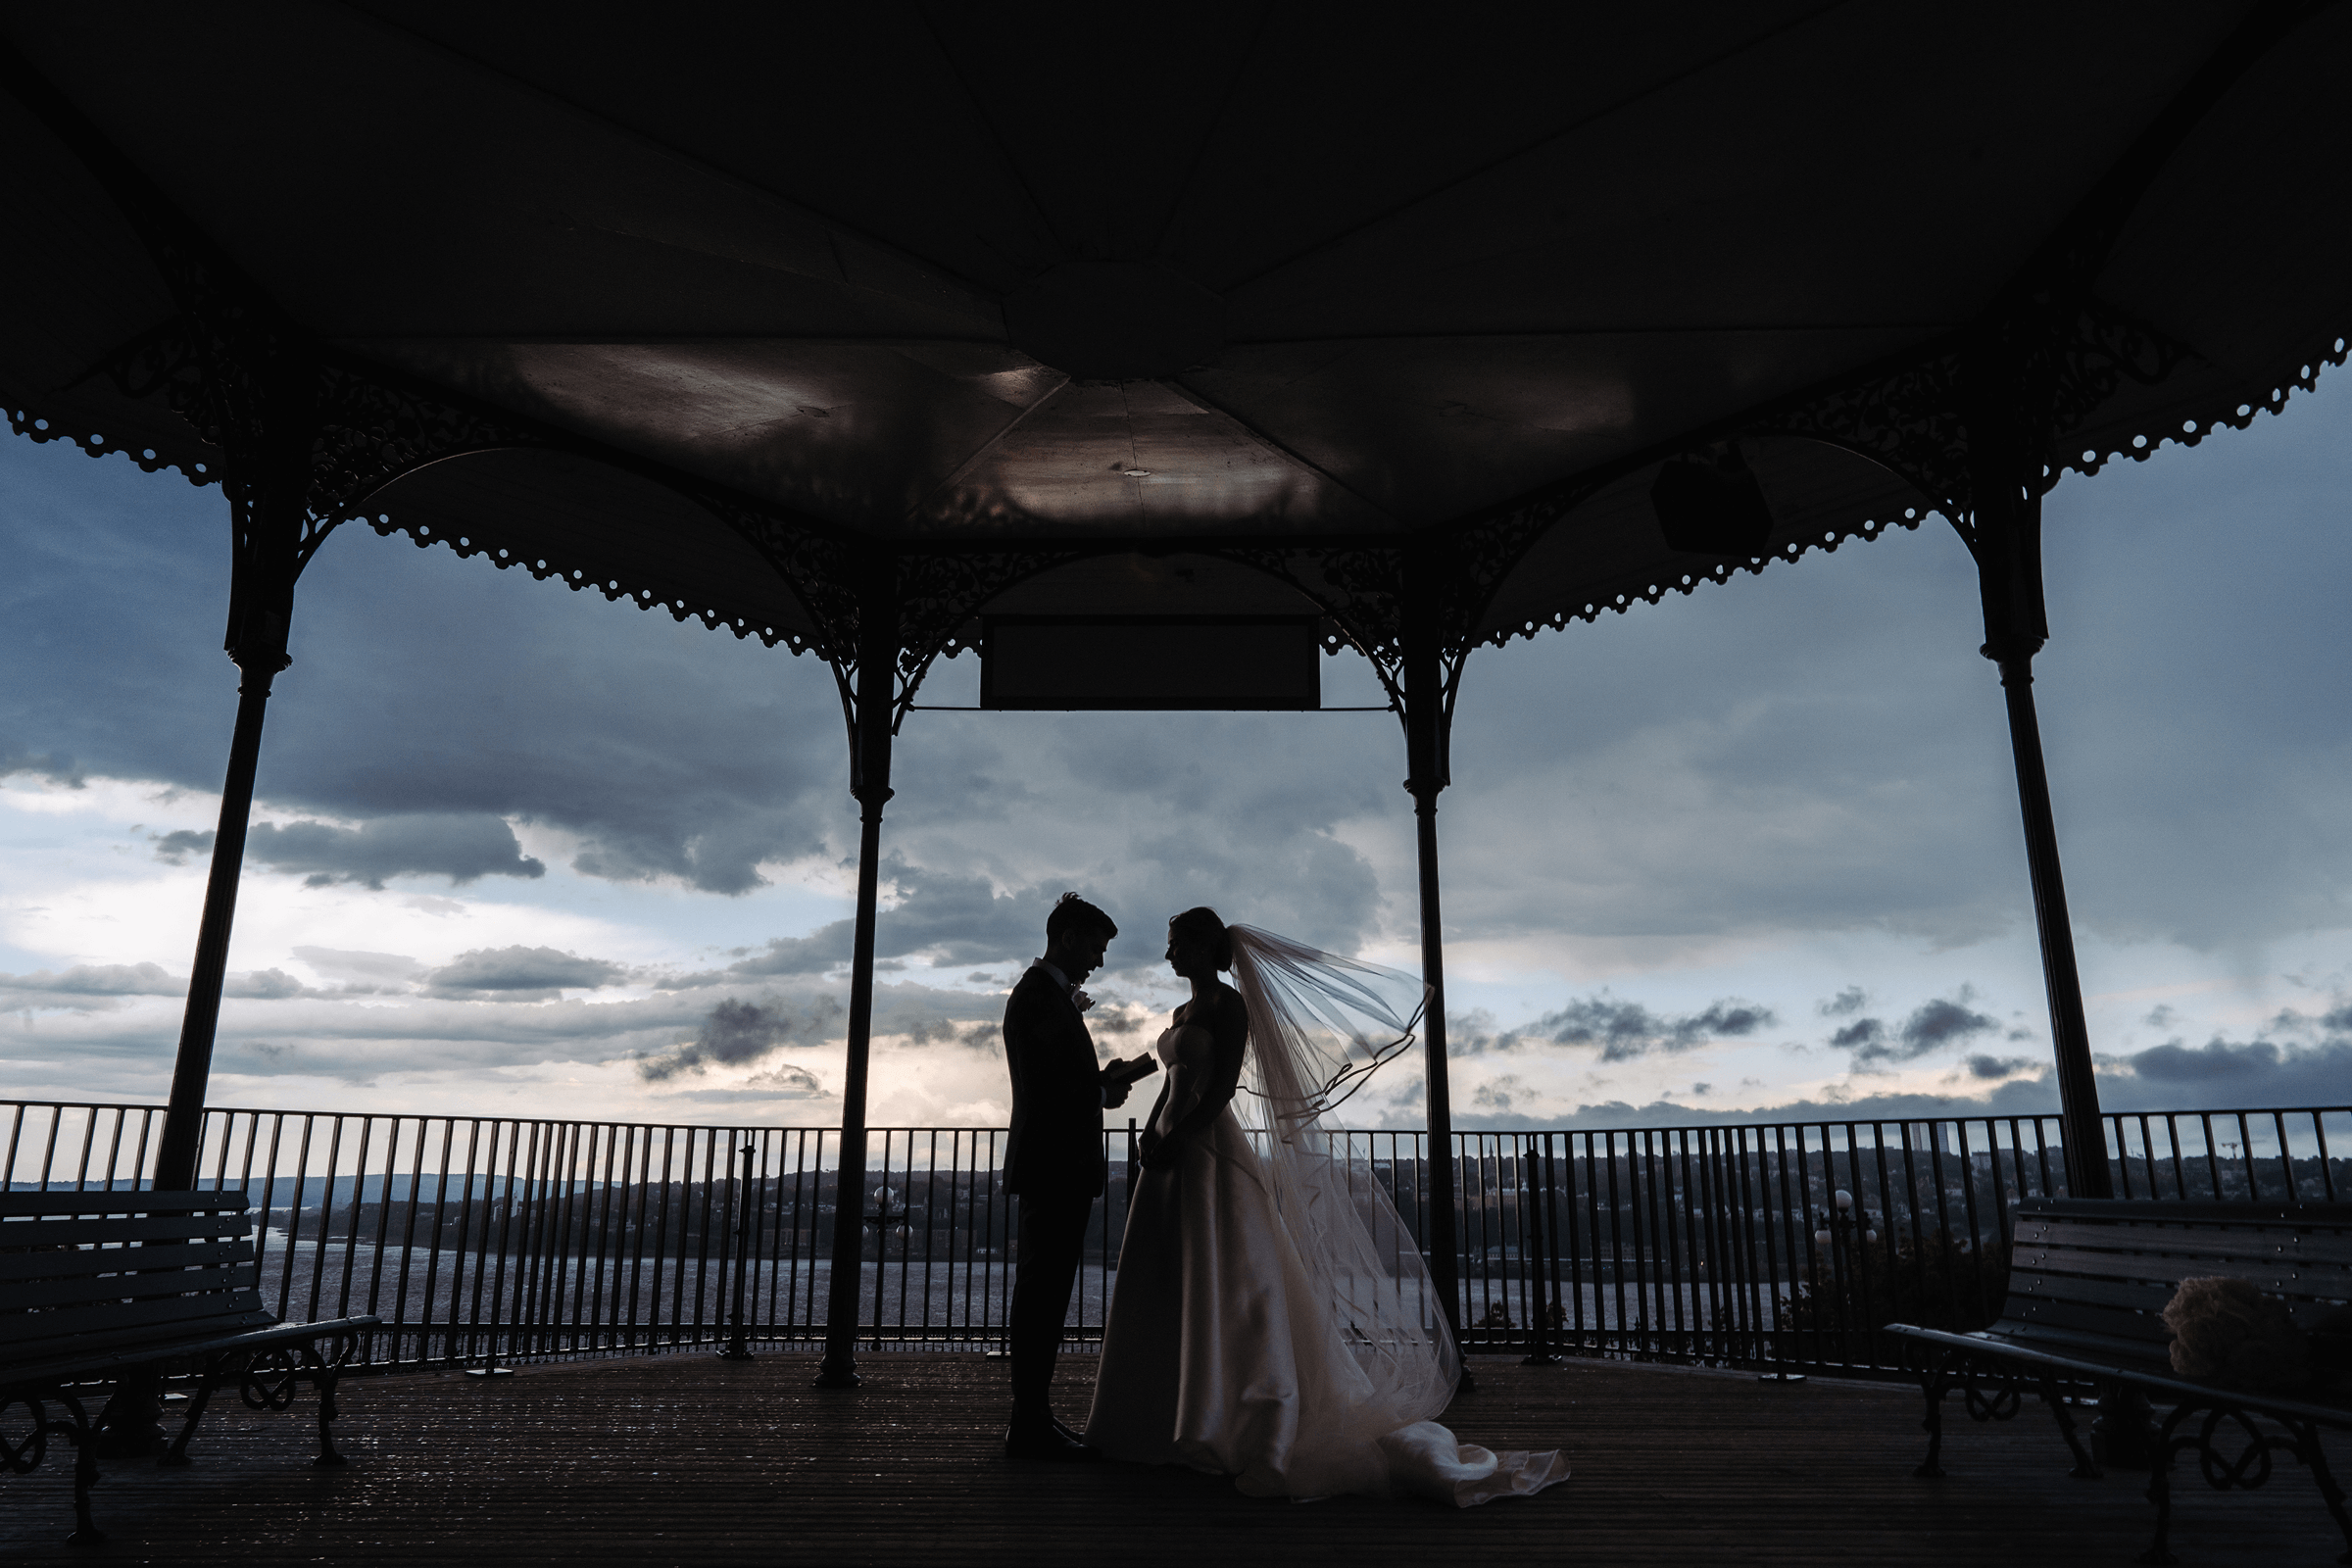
x,y
1272,1319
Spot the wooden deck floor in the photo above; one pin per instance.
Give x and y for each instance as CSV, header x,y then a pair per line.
x,y
685,1460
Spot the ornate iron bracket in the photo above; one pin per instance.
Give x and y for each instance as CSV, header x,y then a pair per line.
x,y
2244,1471
939,592
1987,1394
26,1456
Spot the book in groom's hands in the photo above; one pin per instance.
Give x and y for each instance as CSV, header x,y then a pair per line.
x,y
1116,1071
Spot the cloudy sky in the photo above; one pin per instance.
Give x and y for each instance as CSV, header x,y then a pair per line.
x,y
519,849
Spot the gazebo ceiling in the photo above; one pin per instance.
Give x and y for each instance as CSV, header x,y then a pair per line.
x,y
965,277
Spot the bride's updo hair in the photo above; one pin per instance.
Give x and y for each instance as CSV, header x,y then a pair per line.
x,y
1204,929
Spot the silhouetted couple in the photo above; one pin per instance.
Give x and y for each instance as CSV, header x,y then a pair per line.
x,y
1271,1318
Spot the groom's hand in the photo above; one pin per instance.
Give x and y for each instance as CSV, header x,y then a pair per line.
x,y
1114,1093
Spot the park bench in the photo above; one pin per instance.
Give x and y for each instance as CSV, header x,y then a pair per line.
x,y
2089,1282
94,1285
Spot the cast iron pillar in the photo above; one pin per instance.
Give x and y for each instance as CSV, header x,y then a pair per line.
x,y
269,427
1426,715
2005,486
870,711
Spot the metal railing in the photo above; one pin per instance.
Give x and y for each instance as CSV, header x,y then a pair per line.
x,y
483,1240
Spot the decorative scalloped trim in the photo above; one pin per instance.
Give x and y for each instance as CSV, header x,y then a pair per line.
x,y
1723,571
41,428
422,536
2146,445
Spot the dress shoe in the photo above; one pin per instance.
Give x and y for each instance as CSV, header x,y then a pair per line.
x,y
1043,1439
1070,1432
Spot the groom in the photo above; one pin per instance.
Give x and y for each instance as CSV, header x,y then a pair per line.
x,y
1052,1162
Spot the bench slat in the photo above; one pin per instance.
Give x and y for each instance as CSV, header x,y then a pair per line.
x,y
2164,1273
64,1262
2148,1329
132,1336
98,1232
22,1327
79,1360
2129,1296
63,1294
122,1201
2325,1250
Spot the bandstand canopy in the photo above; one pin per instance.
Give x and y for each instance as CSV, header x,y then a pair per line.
x,y
1133,291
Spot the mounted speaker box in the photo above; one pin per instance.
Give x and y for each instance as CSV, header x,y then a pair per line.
x,y
1712,507
1150,663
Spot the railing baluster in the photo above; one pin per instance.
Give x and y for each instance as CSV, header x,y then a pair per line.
x,y
2319,1135
16,1134
89,1139
114,1149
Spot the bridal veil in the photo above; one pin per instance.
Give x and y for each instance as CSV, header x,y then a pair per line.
x,y
1319,1026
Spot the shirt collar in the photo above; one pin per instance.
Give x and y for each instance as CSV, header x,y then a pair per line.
x,y
1059,979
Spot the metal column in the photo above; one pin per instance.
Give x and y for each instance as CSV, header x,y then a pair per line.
x,y
869,781
1425,727
2007,543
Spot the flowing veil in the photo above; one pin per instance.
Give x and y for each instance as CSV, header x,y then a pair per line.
x,y
1319,1026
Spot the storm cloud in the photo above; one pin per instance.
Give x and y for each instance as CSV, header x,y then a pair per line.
x,y
2222,1071
99,980
2216,1059
89,986
519,974
1995,1068
458,847
1626,1030
736,1032
54,766
1931,1027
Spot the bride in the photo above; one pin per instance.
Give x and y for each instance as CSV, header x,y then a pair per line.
x,y
1273,1319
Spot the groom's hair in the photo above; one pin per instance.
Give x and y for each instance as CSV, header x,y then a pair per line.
x,y
1071,911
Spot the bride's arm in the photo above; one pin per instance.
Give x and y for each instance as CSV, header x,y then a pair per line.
x,y
1187,1057
1195,1102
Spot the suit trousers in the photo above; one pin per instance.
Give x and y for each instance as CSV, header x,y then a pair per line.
x,y
1053,1237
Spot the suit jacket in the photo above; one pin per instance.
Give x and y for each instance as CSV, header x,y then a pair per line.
x,y
1057,1140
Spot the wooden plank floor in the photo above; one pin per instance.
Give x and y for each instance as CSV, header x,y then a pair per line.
x,y
689,1461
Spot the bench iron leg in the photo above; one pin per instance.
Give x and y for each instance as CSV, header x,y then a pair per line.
x,y
2307,1449
2160,1483
1933,1383
26,1458
2084,1469
323,1375
177,1454
86,1476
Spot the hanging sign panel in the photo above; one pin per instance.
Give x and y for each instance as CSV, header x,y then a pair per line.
x,y
1150,663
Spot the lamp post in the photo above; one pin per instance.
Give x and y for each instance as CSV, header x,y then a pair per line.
x,y
1843,1231
889,1218
1838,1223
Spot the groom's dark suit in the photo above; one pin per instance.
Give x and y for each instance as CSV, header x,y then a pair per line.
x,y
1053,1163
